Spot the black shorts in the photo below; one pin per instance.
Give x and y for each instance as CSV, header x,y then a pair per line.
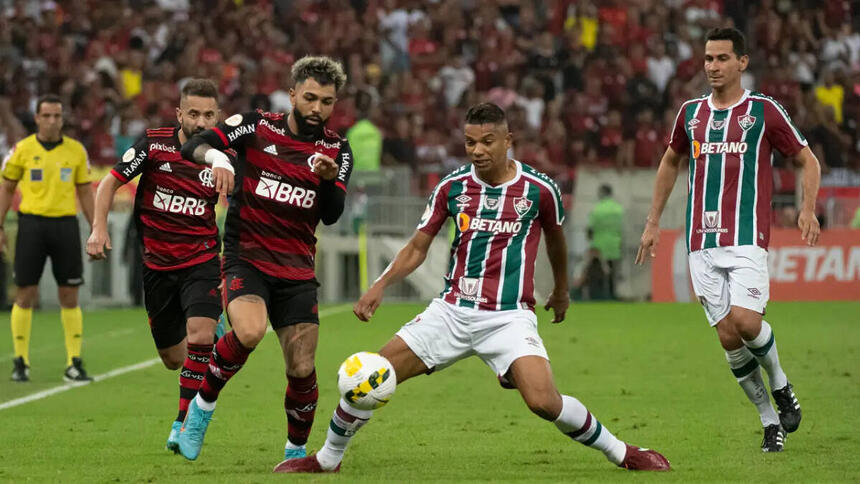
x,y
41,237
171,297
288,302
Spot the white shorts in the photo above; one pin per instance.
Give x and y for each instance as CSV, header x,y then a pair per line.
x,y
730,276
445,333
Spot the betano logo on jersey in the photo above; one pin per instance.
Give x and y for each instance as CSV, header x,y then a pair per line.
x,y
285,193
464,223
167,202
719,148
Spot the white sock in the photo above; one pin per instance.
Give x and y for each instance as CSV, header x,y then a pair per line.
x,y
292,446
764,349
747,372
578,423
345,422
203,404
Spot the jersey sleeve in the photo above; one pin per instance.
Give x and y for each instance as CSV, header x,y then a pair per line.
x,y
436,211
83,174
550,209
780,131
233,132
678,139
344,161
132,162
13,169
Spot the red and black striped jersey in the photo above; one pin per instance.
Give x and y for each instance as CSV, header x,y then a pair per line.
x,y
175,202
278,200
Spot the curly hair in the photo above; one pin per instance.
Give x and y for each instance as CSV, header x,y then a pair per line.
x,y
324,70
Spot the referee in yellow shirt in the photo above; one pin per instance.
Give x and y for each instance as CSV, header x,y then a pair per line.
x,y
50,169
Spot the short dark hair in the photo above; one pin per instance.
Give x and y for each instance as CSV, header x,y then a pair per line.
x,y
200,88
47,98
324,70
486,113
605,190
739,41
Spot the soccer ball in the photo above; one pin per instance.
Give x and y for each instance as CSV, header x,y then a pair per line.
x,y
366,380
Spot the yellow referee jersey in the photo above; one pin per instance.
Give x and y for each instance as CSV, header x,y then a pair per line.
x,y
47,178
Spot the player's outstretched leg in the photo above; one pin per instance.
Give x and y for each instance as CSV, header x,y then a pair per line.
x,y
190,378
748,374
345,422
578,423
227,358
300,404
764,349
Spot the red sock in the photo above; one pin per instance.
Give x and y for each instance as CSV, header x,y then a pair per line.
x,y
191,375
227,358
300,403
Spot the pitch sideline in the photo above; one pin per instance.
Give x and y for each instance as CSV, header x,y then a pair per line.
x,y
121,371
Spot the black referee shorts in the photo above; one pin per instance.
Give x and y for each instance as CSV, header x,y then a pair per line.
x,y
171,297
288,302
40,237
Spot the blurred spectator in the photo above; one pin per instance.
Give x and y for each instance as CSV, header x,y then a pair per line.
x,y
605,226
365,139
398,148
829,93
565,71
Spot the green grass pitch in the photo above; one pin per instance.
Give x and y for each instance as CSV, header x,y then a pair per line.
x,y
654,374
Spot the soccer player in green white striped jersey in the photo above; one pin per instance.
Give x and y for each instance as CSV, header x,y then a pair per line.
x,y
486,308
728,138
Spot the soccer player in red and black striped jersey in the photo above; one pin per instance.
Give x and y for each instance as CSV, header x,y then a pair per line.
x,y
174,209
728,138
500,207
291,174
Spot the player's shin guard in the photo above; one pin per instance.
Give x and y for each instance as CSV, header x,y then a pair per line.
x,y
300,404
191,375
578,423
21,322
228,356
345,422
764,349
746,370
73,327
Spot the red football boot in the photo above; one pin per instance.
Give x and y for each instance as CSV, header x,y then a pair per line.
x,y
305,465
639,459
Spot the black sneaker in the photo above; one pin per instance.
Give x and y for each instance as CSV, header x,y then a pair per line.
x,y
76,372
789,409
21,372
774,438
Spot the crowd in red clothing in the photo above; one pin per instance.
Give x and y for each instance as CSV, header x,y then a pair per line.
x,y
585,82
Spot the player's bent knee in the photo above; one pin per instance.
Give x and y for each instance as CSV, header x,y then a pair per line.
x,y
545,405
171,361
250,335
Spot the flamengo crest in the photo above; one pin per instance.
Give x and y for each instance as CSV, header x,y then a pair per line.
x,y
522,205
746,121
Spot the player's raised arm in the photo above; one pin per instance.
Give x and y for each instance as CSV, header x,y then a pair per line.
x,y
811,178
335,177
667,173
208,147
407,260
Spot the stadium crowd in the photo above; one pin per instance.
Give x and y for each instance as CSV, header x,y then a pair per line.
x,y
585,83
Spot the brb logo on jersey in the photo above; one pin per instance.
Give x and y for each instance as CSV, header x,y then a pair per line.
x,y
285,193
718,148
168,202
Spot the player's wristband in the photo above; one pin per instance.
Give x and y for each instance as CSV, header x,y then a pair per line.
x,y
218,160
